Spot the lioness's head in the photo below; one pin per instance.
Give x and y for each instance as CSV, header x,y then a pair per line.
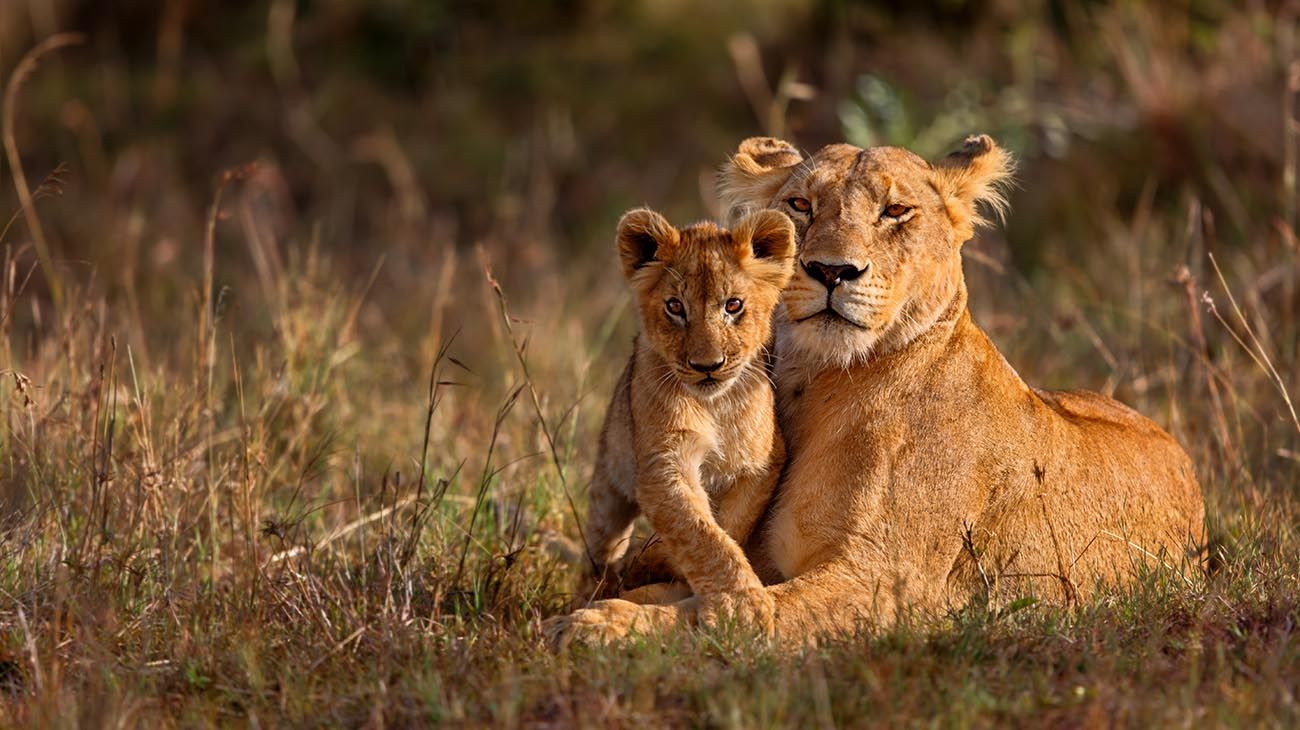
x,y
706,294
880,232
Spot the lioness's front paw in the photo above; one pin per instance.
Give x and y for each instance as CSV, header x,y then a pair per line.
x,y
601,623
752,609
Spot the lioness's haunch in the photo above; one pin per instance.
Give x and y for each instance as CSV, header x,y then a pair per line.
x,y
691,429
922,471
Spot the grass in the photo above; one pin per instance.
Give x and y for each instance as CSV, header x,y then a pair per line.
x,y
297,448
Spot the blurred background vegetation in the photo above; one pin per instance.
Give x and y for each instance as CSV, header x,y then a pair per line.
x,y
210,437
398,128
405,130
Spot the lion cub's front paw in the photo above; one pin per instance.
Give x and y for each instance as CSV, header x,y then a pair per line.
x,y
601,623
752,609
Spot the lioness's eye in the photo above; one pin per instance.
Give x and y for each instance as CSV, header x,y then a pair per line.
x,y
800,204
897,210
733,306
675,307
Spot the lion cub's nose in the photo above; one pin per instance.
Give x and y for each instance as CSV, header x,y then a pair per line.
x,y
702,367
832,275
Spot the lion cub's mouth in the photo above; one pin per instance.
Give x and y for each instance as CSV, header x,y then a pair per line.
x,y
709,385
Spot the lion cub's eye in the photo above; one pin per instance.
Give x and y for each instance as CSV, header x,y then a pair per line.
x,y
800,204
896,210
675,307
734,306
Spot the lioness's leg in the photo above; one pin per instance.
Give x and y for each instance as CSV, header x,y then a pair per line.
x,y
610,620
828,600
833,598
657,593
825,601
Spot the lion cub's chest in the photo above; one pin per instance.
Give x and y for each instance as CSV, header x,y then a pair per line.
x,y
718,439
735,438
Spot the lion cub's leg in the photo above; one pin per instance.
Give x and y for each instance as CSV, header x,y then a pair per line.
x,y
610,515
712,562
608,531
739,510
612,506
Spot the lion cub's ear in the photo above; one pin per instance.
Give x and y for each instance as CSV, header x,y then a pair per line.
x,y
755,173
976,174
765,246
643,236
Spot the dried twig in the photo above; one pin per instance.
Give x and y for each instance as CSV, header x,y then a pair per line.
x,y
485,479
25,68
1183,277
1257,352
519,349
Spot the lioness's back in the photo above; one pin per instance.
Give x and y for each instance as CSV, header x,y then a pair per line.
x,y
1110,433
1085,405
1110,426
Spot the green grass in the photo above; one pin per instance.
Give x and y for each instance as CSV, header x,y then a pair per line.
x,y
311,467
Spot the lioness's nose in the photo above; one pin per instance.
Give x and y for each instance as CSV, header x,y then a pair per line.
x,y
706,367
832,275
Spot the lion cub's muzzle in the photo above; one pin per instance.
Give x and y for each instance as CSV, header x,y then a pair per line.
x,y
712,378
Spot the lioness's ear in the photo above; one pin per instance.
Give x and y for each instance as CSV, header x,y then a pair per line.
x,y
753,175
765,246
976,174
643,236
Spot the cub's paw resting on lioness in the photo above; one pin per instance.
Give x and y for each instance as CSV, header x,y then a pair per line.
x,y
748,610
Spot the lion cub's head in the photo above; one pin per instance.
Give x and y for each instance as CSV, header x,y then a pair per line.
x,y
880,234
706,294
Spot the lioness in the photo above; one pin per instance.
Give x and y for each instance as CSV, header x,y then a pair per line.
x,y
922,471
691,429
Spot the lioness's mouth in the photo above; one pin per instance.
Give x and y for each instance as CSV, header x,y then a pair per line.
x,y
830,314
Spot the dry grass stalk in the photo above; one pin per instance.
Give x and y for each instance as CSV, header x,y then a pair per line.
x,y
26,67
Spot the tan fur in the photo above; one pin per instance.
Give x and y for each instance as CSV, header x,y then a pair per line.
x,y
698,453
923,472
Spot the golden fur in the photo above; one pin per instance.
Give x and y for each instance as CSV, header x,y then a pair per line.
x,y
690,433
922,471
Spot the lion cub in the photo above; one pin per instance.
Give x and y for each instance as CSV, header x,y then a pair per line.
x,y
690,437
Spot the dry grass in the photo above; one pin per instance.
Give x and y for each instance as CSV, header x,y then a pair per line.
x,y
300,463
